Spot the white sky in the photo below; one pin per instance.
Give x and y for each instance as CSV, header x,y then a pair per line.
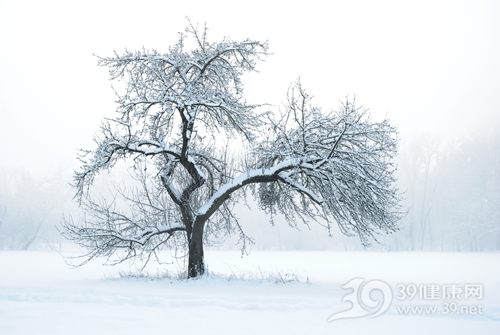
x,y
429,66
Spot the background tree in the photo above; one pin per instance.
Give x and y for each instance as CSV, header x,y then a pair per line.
x,y
452,187
177,113
468,201
30,209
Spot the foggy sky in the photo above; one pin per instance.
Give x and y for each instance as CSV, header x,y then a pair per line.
x,y
427,66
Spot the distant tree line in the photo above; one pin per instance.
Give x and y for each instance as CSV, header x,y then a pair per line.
x,y
451,191
30,209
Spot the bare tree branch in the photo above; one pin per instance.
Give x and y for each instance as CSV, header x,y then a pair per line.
x,y
304,163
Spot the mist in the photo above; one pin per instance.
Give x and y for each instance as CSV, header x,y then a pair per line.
x,y
431,68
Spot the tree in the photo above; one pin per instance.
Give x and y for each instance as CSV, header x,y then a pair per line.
x,y
27,215
177,113
469,196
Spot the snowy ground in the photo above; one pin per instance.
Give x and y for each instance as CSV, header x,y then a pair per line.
x,y
39,294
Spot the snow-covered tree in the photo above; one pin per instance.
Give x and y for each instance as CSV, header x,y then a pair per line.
x,y
177,113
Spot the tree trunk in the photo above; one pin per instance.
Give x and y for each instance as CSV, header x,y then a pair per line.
x,y
411,233
196,261
498,239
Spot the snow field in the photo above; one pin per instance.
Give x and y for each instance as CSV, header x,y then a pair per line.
x,y
39,294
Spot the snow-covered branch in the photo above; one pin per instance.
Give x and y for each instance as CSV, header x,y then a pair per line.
x,y
177,115
344,165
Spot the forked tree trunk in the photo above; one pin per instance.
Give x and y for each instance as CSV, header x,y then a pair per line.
x,y
196,261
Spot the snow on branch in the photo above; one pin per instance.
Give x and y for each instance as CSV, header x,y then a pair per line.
x,y
343,165
178,115
137,230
